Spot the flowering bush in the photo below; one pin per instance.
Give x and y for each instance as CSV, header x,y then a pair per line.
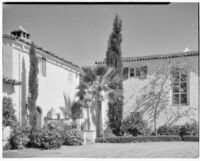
x,y
45,139
19,138
133,125
58,126
73,137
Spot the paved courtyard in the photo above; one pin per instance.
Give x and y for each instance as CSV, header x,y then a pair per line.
x,y
128,150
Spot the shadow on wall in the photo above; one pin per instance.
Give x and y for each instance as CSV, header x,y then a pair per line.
x,y
153,98
153,101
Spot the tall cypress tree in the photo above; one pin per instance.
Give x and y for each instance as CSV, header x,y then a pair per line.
x,y
114,59
33,86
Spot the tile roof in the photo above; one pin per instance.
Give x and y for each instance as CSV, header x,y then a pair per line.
x,y
11,81
152,57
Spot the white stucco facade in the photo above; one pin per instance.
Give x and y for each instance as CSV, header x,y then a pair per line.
x,y
60,80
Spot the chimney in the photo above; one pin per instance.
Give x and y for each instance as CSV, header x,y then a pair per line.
x,y
21,33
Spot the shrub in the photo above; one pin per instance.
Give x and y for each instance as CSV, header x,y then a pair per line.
x,y
73,137
190,138
45,139
108,133
189,129
7,146
36,138
168,130
19,138
9,118
58,126
124,139
133,125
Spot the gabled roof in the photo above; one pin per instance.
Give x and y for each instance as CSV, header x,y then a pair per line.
x,y
152,57
42,50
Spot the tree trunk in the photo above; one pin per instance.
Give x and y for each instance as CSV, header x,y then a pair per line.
x,y
33,118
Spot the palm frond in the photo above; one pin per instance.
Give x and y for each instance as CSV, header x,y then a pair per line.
x,y
100,71
112,75
88,75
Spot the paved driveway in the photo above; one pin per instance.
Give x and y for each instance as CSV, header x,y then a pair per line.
x,y
127,150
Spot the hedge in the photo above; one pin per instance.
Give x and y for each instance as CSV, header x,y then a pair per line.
x,y
129,139
190,138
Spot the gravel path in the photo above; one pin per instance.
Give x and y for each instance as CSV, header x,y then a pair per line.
x,y
128,150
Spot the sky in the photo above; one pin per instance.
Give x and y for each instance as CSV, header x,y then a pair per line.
x,y
80,33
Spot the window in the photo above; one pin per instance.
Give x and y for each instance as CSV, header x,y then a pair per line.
x,y
143,71
137,72
140,72
44,66
125,73
132,72
179,87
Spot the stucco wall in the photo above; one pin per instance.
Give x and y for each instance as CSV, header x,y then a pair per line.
x,y
7,58
135,88
52,87
55,86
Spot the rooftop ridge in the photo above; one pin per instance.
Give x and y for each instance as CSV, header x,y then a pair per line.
x,y
152,57
41,49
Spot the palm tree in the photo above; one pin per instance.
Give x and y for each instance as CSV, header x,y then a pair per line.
x,y
66,110
96,81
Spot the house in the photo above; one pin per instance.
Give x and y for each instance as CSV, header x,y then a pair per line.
x,y
57,77
149,83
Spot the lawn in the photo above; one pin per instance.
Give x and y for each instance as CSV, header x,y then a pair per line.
x,y
128,150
